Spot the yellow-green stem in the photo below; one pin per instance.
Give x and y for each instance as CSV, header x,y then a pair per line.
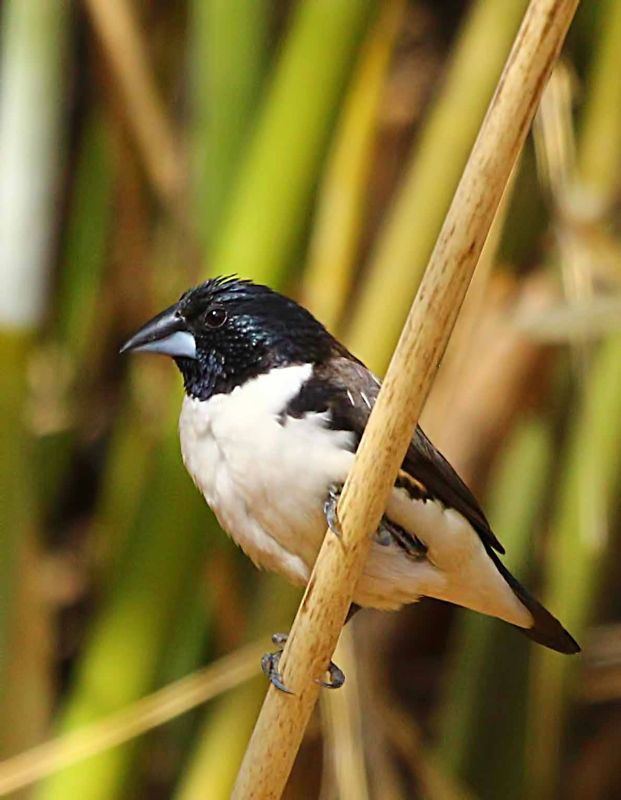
x,y
438,158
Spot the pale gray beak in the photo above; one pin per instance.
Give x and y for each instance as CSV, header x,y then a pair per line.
x,y
167,334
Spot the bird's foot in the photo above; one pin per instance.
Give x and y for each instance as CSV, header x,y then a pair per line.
x,y
271,661
329,509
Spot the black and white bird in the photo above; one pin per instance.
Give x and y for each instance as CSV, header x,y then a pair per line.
x,y
273,412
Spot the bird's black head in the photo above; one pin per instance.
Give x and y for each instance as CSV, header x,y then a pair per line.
x,y
227,330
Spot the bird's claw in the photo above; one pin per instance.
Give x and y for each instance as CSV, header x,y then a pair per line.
x,y
337,677
329,509
271,661
269,665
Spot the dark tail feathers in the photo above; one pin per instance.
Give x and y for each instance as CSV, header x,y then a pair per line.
x,y
546,630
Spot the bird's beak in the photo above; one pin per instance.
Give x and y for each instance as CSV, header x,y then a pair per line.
x,y
167,333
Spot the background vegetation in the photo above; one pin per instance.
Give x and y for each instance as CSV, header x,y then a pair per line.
x,y
314,145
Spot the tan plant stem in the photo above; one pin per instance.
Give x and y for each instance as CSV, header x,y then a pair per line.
x,y
119,31
283,719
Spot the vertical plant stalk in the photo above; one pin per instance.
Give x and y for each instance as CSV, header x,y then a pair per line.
x,y
407,237
119,31
228,55
31,111
31,104
600,156
341,716
340,210
121,659
233,717
266,218
283,719
25,626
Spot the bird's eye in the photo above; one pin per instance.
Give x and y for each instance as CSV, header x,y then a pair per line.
x,y
215,317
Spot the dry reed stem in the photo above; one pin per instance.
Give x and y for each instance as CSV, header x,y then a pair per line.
x,y
118,29
149,712
283,718
345,774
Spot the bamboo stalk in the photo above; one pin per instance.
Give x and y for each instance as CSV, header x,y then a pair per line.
x,y
601,130
232,719
228,55
406,239
341,716
120,662
283,719
124,45
262,228
335,239
31,132
32,86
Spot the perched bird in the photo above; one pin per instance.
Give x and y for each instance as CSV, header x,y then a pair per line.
x,y
273,412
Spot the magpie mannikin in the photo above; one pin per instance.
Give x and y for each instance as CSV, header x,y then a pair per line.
x,y
274,410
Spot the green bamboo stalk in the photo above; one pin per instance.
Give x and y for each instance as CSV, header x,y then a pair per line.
x,y
31,95
339,216
228,55
600,157
23,702
439,155
31,111
232,720
269,208
476,680
164,554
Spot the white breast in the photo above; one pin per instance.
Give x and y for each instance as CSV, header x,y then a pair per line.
x,y
264,477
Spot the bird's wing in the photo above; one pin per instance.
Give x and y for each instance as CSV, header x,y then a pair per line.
x,y
347,389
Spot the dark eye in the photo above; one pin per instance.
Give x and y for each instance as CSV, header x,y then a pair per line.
x,y
215,317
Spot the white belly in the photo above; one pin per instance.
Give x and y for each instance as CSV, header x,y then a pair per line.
x,y
266,479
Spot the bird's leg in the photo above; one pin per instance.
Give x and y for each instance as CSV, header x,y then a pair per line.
x,y
329,508
270,662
